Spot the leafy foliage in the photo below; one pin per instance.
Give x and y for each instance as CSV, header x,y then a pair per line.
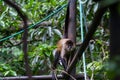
x,y
41,39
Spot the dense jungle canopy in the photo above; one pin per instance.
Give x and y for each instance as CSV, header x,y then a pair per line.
x,y
42,39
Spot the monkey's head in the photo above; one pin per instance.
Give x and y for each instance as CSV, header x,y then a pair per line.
x,y
69,46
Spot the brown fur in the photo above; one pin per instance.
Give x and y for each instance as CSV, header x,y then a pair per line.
x,y
64,49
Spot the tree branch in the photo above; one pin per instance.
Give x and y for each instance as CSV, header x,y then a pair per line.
x,y
24,18
89,35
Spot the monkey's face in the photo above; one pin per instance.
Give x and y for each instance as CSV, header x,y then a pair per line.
x,y
69,46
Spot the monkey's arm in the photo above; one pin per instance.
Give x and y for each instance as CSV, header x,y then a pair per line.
x,y
55,62
63,57
56,59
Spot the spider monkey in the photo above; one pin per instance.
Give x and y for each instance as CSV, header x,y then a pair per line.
x,y
62,53
63,50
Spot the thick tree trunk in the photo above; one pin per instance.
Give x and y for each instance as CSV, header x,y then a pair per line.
x,y
115,41
72,21
72,28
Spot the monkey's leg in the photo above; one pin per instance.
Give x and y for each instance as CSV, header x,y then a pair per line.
x,y
55,62
64,63
70,57
69,60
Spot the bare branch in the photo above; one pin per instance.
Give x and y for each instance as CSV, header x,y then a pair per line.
x,y
42,77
